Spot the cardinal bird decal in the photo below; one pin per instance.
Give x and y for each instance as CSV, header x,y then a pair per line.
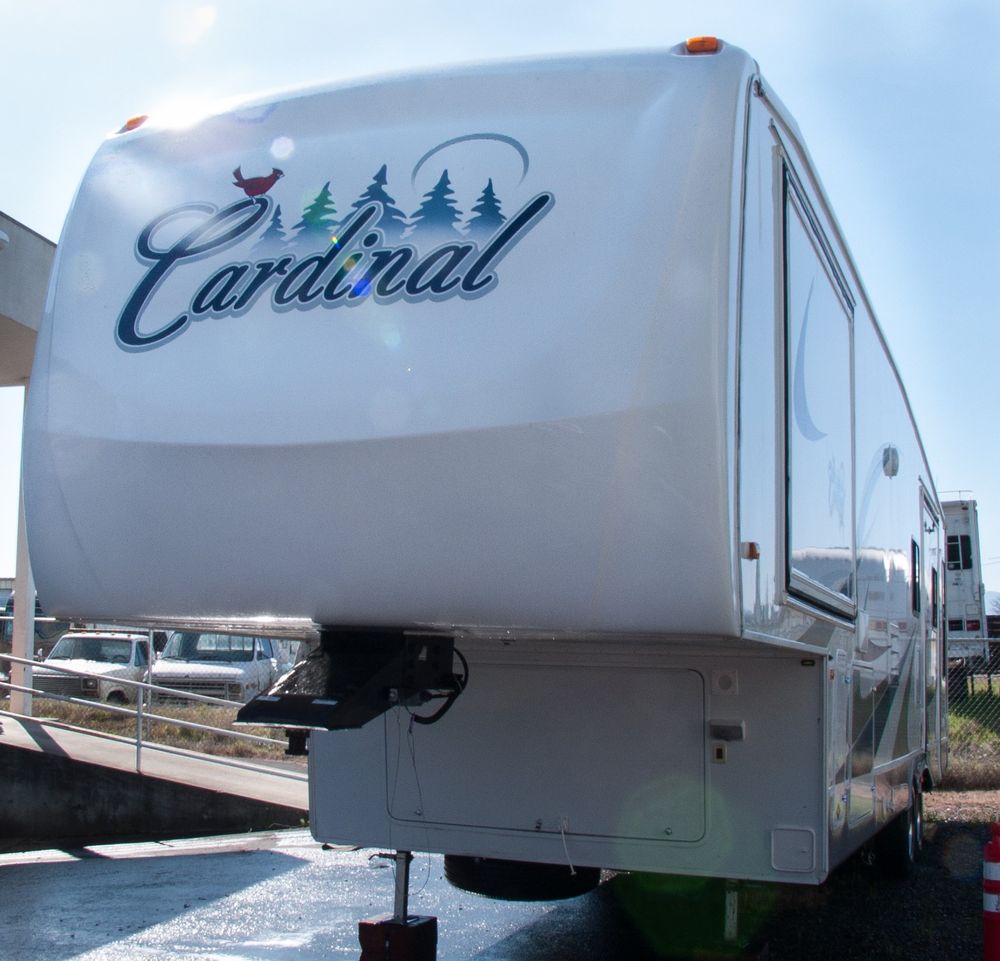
x,y
256,186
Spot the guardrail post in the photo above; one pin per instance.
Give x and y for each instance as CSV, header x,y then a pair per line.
x,y
23,636
138,730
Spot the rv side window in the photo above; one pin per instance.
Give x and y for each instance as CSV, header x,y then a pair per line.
x,y
914,577
820,541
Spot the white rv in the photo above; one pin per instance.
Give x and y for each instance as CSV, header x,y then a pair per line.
x,y
548,394
964,591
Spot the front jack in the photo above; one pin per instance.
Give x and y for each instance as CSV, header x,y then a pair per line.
x,y
399,936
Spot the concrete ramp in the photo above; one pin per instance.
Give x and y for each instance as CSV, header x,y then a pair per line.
x,y
66,783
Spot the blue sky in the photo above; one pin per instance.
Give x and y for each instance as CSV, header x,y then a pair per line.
x,y
898,102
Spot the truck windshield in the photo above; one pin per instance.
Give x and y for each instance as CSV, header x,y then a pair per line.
x,y
188,646
112,650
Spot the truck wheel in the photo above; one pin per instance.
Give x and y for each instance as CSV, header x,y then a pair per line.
x,y
518,880
116,697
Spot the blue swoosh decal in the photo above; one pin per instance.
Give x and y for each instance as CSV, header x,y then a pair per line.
x,y
800,405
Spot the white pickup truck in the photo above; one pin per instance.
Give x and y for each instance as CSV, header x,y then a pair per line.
x,y
112,655
231,666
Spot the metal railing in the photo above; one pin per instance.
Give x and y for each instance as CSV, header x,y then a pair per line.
x,y
142,714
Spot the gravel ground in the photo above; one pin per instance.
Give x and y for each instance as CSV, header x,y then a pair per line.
x,y
934,916
857,915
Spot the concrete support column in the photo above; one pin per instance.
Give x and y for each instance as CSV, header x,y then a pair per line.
x,y
23,639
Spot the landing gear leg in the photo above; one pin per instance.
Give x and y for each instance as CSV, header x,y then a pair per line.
x,y
737,945
399,936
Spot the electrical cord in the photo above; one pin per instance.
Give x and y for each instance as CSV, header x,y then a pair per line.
x,y
460,684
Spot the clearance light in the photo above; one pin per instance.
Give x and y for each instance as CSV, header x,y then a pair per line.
x,y
137,121
702,45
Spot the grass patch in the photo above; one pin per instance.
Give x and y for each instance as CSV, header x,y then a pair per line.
x,y
974,739
974,722
208,742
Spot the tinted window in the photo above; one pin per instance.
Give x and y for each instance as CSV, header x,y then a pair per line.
x,y
818,427
188,646
965,542
110,650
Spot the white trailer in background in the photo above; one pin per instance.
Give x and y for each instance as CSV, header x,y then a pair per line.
x,y
964,591
560,365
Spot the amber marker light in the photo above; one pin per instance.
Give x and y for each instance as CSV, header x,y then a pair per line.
x,y
702,45
133,122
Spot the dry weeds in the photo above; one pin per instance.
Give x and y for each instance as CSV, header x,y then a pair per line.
x,y
208,742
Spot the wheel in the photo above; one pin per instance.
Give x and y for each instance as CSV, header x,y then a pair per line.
x,y
518,880
116,697
899,845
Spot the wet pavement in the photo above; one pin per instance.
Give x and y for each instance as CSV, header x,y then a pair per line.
x,y
272,897
280,896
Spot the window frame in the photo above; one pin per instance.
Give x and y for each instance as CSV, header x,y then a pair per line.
x,y
800,586
962,544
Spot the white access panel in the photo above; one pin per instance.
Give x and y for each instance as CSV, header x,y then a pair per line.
x,y
642,737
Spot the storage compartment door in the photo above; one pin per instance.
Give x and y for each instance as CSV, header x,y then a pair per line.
x,y
589,751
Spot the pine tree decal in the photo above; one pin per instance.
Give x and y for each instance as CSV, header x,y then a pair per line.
x,y
273,239
318,225
393,221
438,214
488,216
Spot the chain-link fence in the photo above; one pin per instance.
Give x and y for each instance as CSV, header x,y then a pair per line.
x,y
974,723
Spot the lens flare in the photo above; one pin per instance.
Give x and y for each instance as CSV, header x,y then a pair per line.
x,y
282,148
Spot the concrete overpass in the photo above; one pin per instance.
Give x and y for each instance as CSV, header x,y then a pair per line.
x,y
25,263
64,782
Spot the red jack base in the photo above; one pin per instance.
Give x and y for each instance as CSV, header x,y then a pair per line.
x,y
385,938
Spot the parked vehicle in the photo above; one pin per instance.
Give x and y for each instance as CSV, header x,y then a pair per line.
x,y
115,656
965,593
595,472
230,666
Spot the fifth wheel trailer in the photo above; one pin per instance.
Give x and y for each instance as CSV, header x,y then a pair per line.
x,y
549,395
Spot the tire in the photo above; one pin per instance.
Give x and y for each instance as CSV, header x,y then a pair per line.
x,y
518,880
918,815
115,697
898,847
